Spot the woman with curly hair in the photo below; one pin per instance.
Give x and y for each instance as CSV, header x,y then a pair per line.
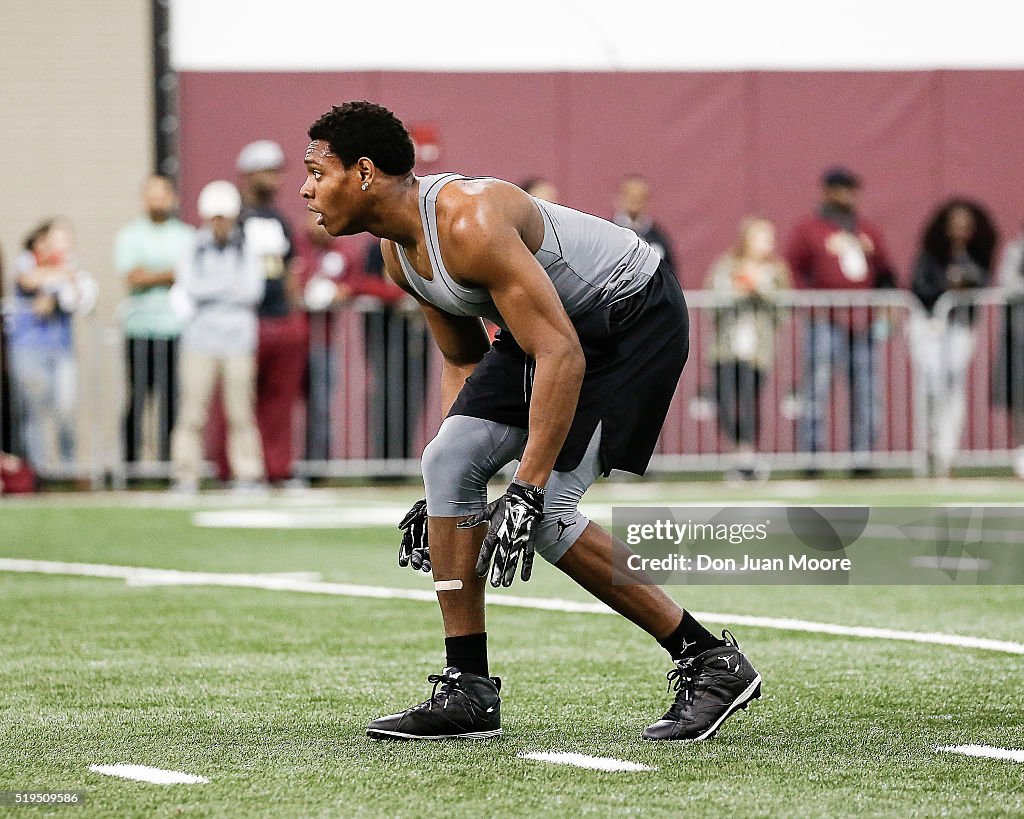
x,y
955,255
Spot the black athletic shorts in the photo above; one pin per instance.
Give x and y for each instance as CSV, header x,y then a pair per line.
x,y
635,350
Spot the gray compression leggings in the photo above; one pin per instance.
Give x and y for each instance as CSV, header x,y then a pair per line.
x,y
467,452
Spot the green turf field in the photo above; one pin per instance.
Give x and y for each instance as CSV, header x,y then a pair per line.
x,y
267,693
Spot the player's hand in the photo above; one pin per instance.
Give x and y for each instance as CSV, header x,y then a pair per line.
x,y
513,520
414,549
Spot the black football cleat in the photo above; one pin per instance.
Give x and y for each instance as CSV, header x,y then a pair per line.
x,y
461,706
709,688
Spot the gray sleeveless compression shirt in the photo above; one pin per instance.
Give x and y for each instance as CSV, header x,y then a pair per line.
x,y
592,262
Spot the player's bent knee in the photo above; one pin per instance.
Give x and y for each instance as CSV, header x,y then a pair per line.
x,y
458,463
445,478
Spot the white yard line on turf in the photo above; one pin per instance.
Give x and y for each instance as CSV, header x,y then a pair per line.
x,y
357,518
163,578
143,773
137,575
986,751
594,763
382,515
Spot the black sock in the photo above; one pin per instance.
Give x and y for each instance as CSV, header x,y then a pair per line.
x,y
467,653
689,639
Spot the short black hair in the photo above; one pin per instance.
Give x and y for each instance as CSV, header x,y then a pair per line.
x,y
361,128
838,176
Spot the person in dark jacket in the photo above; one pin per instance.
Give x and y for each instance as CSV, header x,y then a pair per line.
x,y
631,210
956,253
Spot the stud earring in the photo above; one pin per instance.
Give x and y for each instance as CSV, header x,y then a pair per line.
x,y
365,185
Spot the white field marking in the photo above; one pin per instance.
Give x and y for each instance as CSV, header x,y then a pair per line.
x,y
160,577
381,515
594,763
278,583
986,751
386,513
338,518
299,518
975,491
143,773
978,505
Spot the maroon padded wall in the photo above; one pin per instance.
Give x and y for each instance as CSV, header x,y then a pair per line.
x,y
717,146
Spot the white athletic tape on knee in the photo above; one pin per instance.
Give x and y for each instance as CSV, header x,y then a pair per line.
x,y
447,585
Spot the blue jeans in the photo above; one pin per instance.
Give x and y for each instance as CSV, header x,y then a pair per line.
x,y
831,349
45,391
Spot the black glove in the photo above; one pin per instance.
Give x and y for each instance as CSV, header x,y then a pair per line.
x,y
414,548
513,520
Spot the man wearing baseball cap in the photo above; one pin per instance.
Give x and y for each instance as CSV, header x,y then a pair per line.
x,y
283,334
218,284
837,249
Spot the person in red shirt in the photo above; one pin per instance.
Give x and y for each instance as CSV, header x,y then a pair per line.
x,y
836,249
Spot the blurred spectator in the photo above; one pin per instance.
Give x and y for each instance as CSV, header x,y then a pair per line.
x,y
632,202
955,255
16,476
49,287
1008,379
283,340
146,253
541,188
743,349
281,352
6,413
397,361
219,283
836,249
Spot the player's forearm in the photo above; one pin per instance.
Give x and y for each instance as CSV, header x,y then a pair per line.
x,y
556,391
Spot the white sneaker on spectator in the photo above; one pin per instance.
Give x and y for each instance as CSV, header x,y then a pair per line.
x,y
1018,463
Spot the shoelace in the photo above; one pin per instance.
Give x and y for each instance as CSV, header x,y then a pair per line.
x,y
445,679
682,679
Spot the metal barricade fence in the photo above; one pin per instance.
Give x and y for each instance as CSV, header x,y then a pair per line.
x,y
813,380
810,380
373,399
976,367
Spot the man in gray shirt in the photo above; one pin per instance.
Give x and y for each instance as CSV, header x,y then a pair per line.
x,y
218,285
